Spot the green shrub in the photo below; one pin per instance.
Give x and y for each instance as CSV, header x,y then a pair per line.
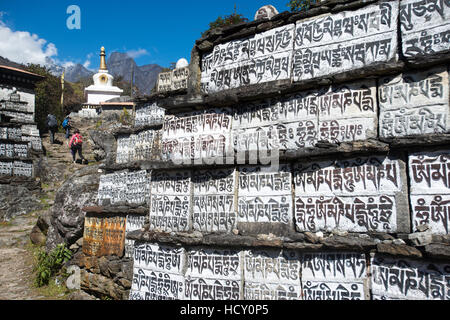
x,y
300,5
49,264
125,117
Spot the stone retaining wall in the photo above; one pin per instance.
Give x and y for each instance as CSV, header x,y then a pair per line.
x,y
308,158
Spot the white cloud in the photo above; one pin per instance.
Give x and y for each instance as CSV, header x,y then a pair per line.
x,y
24,47
68,64
137,53
87,63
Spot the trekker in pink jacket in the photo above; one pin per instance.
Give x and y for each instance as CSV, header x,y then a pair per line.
x,y
76,145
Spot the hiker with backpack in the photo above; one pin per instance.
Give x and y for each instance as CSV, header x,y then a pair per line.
x,y
76,145
67,126
52,125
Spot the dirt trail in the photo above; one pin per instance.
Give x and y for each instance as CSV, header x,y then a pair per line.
x,y
16,268
16,258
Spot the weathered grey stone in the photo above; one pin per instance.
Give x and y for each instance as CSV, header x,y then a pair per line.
x,y
114,267
438,251
399,250
205,46
422,228
311,237
348,243
17,201
103,265
81,296
421,238
441,239
125,283
47,173
67,221
74,247
79,242
37,237
399,242
101,286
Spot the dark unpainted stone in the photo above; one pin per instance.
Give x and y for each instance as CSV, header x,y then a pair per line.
x,y
311,237
441,239
347,243
103,140
47,173
44,221
77,259
381,236
101,286
277,229
37,237
399,250
103,265
81,296
439,250
125,283
205,46
114,268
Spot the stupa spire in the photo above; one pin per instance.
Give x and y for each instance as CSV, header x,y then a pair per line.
x,y
103,59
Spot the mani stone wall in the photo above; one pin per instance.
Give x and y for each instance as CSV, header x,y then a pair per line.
x,y
19,137
307,159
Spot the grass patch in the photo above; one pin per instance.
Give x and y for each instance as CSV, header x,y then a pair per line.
x,y
53,291
48,289
5,224
45,185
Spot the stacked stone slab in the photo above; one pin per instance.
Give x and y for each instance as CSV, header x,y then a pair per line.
x,y
355,205
19,137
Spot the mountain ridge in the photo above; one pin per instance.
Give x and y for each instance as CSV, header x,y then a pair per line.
x,y
119,64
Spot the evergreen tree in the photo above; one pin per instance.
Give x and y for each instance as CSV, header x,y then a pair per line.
x,y
226,20
299,5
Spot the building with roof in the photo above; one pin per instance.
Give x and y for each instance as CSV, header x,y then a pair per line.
x,y
19,137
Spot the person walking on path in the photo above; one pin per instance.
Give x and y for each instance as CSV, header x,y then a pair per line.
x,y
52,125
76,145
67,125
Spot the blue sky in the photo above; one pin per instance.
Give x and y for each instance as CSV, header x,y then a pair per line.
x,y
157,32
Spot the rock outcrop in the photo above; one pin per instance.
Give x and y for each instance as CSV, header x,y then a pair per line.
x,y
67,217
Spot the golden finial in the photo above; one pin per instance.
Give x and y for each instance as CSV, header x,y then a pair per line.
x,y
103,59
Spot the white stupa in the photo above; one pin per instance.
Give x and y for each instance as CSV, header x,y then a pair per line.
x,y
103,89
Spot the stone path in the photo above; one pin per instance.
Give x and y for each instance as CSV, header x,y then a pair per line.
x,y
16,268
16,262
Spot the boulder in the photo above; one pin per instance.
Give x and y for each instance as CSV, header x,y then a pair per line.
x,y
49,173
37,237
67,217
103,143
17,201
102,286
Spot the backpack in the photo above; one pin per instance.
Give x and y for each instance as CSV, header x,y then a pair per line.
x,y
65,123
77,140
51,121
